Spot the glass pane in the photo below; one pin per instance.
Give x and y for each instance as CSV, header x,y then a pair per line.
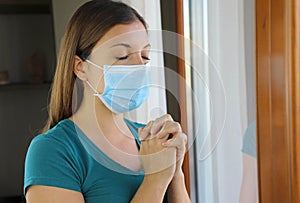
x,y
222,68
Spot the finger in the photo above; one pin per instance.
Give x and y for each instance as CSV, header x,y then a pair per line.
x,y
168,128
159,122
145,132
140,130
179,140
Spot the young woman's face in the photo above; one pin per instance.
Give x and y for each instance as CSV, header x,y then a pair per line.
x,y
122,45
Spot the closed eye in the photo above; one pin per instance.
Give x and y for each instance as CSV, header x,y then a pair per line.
x,y
126,57
122,58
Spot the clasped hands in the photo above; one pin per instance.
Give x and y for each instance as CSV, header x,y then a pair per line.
x,y
163,145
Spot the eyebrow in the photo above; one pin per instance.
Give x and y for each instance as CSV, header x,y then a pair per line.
x,y
128,46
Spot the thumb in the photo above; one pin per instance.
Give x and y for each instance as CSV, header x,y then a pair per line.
x,y
145,132
140,130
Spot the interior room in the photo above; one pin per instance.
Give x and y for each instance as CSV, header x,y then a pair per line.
x,y
226,71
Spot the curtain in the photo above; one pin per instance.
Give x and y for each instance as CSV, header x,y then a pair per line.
x,y
219,113
155,106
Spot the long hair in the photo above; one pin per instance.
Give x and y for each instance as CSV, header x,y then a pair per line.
x,y
86,27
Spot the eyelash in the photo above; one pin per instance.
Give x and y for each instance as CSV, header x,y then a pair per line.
x,y
125,57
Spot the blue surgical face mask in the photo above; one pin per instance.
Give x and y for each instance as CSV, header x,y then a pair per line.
x,y
126,86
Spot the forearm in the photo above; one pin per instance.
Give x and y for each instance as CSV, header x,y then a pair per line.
x,y
177,192
151,190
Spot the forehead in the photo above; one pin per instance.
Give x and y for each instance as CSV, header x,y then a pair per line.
x,y
134,34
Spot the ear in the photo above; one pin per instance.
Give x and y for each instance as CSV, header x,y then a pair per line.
x,y
79,68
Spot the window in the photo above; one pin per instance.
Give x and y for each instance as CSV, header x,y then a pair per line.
x,y
221,71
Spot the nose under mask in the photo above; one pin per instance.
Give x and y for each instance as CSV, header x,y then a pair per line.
x,y
126,86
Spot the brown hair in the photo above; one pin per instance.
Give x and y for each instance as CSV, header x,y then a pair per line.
x,y
87,26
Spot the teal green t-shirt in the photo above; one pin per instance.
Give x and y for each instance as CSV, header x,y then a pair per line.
x,y
64,157
249,141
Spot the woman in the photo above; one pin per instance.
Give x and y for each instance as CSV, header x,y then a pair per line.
x,y
88,151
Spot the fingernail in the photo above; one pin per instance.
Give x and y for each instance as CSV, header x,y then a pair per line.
x,y
159,134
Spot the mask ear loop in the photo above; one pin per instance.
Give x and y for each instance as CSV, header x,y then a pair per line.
x,y
90,62
89,84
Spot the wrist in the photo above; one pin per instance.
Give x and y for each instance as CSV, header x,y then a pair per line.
x,y
152,189
156,185
178,178
178,175
157,180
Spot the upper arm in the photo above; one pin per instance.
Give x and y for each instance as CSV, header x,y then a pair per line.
x,y
51,164
46,194
249,185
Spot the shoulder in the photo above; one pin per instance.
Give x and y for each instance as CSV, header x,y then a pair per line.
x,y
62,131
59,138
53,158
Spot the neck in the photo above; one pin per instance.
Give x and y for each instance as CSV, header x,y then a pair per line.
x,y
93,115
105,118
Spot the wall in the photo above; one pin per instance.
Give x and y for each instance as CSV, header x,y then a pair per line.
x,y
23,35
22,105
25,1
22,114
62,11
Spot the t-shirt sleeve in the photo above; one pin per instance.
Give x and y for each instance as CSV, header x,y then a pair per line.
x,y
249,141
50,163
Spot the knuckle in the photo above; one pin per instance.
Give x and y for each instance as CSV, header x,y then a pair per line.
x,y
168,117
178,126
150,123
164,126
154,127
184,137
167,124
